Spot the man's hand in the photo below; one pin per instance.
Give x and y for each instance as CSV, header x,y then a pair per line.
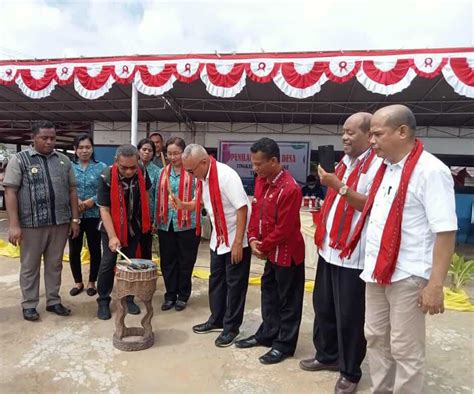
x,y
74,229
329,179
254,245
236,253
14,235
431,299
114,244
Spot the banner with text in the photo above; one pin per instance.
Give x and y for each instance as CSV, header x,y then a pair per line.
x,y
294,156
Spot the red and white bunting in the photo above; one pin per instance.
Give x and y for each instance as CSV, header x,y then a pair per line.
x,y
341,70
386,76
262,71
155,79
300,80
298,75
459,73
93,81
223,79
7,74
429,66
36,83
188,72
65,73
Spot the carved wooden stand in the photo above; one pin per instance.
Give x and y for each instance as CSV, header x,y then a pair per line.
x,y
141,284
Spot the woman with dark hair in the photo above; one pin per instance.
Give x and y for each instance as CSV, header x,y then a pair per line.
x,y
146,149
87,171
176,228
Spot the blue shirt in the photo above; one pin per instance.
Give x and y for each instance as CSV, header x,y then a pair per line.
x,y
87,180
154,174
173,213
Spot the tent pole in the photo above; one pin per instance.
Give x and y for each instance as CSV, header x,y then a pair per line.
x,y
134,120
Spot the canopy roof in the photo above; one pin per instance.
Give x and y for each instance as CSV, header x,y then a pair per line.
x,y
301,88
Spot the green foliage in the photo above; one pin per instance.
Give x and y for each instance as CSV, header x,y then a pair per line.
x,y
461,271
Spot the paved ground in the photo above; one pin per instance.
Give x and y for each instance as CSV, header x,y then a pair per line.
x,y
75,354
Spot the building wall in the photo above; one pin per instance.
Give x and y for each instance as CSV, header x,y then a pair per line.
x,y
436,140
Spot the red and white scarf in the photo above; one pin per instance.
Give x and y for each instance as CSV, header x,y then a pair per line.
x,y
185,193
119,208
392,232
220,225
341,224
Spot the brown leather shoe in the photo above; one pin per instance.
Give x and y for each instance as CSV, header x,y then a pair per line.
x,y
344,386
311,364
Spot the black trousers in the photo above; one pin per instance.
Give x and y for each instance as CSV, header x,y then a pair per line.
x,y
178,252
89,226
146,241
228,285
105,282
339,307
282,305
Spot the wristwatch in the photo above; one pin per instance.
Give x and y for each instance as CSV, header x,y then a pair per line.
x,y
343,190
78,221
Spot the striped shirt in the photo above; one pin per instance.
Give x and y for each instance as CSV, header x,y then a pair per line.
x,y
43,184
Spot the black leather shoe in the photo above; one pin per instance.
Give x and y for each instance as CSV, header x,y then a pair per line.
x,y
206,327
91,291
76,290
273,356
30,314
59,309
311,364
103,312
226,339
132,308
246,343
180,305
343,386
167,305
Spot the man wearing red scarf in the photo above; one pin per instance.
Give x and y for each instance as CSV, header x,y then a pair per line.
x,y
275,236
339,293
221,193
123,200
410,240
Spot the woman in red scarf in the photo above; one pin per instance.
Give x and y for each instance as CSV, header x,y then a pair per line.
x,y
176,228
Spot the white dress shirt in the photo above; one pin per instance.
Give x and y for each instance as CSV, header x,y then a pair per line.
x,y
429,209
233,197
331,255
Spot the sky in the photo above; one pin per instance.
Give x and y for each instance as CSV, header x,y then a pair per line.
x,y
46,29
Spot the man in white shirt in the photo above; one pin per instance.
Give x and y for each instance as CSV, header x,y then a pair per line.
x,y
410,240
339,293
227,204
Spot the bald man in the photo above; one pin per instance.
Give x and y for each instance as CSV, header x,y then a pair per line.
x,y
339,293
221,192
409,244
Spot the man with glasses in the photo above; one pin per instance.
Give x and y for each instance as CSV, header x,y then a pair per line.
x,y
222,193
124,209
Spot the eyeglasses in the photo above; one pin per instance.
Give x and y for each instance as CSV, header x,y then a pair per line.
x,y
174,154
191,171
